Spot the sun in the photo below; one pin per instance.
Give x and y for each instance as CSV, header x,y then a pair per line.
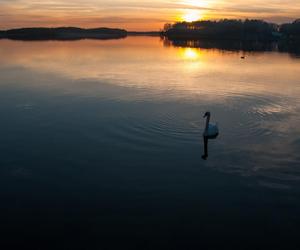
x,y
191,16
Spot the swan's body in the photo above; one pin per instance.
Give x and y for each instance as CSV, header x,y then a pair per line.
x,y
211,130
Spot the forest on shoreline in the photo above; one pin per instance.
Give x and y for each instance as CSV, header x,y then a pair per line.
x,y
233,29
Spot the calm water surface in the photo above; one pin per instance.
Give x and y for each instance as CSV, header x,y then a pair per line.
x,y
101,145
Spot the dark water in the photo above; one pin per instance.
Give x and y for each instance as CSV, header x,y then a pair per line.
x,y
101,145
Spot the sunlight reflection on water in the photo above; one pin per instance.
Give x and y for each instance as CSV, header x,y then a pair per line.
x,y
255,100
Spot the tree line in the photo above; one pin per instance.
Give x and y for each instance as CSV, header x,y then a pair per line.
x,y
233,29
291,30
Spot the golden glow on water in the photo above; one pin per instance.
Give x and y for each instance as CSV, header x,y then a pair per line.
x,y
144,63
190,53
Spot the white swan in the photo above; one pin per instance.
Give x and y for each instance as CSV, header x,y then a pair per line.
x,y
211,130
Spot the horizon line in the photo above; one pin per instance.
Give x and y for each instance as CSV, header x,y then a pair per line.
x,y
141,31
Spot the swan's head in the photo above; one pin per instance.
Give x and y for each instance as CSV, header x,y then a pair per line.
x,y
207,114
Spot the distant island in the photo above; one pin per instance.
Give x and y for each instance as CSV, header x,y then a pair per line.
x,y
62,33
231,29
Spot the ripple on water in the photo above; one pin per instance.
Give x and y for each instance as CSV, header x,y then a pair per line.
x,y
161,130
251,143
258,139
258,114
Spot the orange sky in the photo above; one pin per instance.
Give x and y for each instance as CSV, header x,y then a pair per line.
x,y
138,15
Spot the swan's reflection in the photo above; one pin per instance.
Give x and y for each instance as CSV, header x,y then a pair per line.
x,y
205,144
211,132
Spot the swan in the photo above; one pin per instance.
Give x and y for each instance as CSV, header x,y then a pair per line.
x,y
211,130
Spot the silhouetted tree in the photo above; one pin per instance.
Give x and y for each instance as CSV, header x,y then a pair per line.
x,y
224,29
291,30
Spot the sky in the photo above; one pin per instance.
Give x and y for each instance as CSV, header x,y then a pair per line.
x,y
138,14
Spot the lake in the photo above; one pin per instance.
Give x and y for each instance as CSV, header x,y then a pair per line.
x,y
101,146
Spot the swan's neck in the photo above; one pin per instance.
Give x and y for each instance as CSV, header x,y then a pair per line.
x,y
207,122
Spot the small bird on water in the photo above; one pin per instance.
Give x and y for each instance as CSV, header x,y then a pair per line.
x,y
211,130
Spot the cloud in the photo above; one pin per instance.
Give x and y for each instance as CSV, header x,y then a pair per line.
x,y
124,12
